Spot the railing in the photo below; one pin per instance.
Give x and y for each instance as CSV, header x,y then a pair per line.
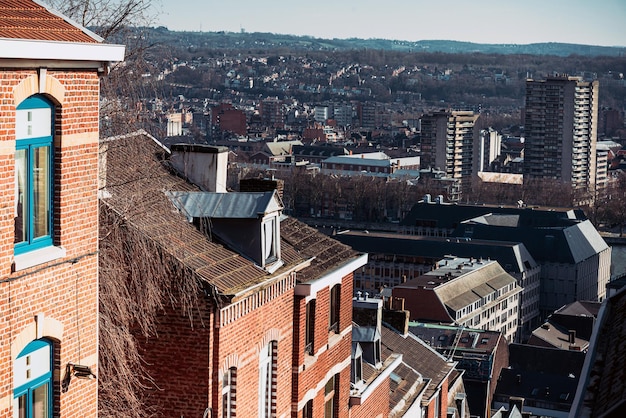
x,y
334,327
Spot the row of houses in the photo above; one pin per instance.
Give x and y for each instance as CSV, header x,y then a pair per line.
x,y
252,313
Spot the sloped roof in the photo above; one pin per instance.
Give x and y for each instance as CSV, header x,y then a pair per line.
x,y
602,387
225,205
511,255
138,176
418,356
25,19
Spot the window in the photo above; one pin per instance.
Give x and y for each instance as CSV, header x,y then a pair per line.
x,y
32,391
333,323
356,371
33,175
229,393
309,346
267,380
307,411
270,249
329,397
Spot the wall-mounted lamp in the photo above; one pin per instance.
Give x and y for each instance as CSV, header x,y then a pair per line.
x,y
77,370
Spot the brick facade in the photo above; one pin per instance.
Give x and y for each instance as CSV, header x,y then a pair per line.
x,y
56,300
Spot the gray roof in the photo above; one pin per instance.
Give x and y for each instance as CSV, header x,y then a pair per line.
x,y
513,257
225,205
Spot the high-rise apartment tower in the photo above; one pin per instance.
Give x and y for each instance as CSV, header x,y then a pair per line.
x,y
560,128
448,144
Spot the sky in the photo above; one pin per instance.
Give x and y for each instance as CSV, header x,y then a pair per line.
x,y
588,22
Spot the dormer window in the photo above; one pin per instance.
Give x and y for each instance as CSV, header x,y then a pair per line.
x,y
356,369
247,222
271,243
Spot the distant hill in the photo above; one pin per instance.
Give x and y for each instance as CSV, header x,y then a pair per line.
x,y
271,41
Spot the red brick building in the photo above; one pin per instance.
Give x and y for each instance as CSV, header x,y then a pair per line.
x,y
228,119
49,99
270,329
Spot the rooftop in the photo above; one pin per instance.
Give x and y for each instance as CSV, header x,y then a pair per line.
x,y
25,19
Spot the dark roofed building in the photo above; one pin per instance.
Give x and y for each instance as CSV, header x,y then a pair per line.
x,y
545,378
395,258
601,390
480,354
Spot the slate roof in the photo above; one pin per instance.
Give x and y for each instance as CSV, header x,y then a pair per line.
x,y
25,19
138,176
418,356
225,205
512,256
561,244
451,215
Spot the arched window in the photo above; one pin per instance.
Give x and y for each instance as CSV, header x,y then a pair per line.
x,y
32,376
33,174
267,380
229,393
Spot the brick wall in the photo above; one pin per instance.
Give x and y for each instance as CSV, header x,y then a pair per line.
x,y
239,344
373,407
331,351
63,291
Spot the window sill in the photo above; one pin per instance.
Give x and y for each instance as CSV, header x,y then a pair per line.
x,y
36,257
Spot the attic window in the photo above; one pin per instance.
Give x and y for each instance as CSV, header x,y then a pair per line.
x,y
270,247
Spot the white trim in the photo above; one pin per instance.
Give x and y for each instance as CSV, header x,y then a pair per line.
x,y
55,50
310,288
378,380
35,257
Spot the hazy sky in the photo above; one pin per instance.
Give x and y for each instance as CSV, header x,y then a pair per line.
x,y
591,22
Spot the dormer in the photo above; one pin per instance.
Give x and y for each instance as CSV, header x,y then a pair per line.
x,y
248,223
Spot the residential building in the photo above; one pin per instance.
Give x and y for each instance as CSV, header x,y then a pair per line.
x,y
373,163
489,148
342,113
322,113
447,144
395,258
560,131
601,390
271,322
568,328
481,354
51,70
468,292
575,260
271,112
422,383
543,378
225,118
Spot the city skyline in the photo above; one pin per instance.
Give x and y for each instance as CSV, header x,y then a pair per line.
x,y
484,21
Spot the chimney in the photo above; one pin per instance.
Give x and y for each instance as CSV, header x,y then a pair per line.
x,y
572,336
262,185
203,165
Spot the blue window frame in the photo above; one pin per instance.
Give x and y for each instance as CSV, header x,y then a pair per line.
x,y
33,174
32,394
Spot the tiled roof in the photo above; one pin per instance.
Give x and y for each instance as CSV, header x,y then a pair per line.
x,y
418,356
602,387
308,242
24,19
138,177
137,194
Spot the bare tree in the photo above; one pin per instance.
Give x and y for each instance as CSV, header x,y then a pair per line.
x,y
125,88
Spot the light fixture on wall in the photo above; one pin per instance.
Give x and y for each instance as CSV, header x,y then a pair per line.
x,y
77,370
